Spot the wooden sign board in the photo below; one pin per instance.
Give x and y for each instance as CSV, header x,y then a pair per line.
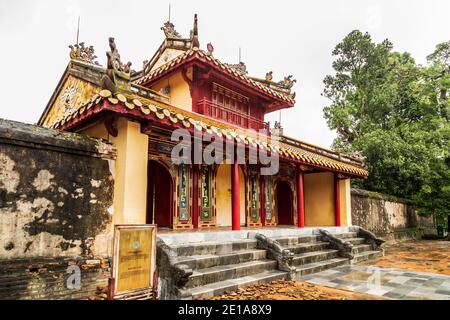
x,y
134,259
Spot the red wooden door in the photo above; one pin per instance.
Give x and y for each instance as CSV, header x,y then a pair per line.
x,y
284,204
159,191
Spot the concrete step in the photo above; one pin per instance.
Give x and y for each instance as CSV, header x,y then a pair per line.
x,y
220,273
200,248
346,235
356,241
361,248
320,266
315,256
367,255
211,260
218,288
293,240
308,247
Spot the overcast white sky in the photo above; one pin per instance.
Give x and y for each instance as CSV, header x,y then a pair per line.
x,y
287,37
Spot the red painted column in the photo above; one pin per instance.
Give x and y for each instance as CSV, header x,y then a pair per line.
x,y
301,200
263,200
235,197
195,193
337,201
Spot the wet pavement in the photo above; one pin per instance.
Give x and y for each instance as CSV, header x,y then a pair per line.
x,y
419,255
385,282
409,270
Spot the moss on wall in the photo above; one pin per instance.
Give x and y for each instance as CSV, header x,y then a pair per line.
x,y
383,214
55,193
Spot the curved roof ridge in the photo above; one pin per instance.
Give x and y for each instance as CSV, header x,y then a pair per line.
x,y
182,57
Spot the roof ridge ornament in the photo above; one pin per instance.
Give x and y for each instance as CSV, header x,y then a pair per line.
x,y
292,95
240,67
169,30
114,61
277,131
284,86
210,49
287,82
194,34
357,155
82,53
117,73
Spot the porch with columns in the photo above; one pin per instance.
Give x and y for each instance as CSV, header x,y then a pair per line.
x,y
340,187
309,200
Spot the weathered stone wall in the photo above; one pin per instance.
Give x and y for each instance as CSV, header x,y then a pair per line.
x,y
386,216
48,278
56,193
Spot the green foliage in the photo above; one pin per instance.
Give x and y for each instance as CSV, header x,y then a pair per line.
x,y
396,114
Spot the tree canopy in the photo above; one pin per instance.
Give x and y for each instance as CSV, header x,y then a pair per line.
x,y
395,113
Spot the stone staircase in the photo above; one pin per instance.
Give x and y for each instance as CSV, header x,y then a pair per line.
x,y
312,255
221,264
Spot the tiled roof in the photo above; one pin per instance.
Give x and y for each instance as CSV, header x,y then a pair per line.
x,y
200,53
149,109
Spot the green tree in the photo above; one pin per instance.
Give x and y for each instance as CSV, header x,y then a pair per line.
x,y
360,66
396,114
439,75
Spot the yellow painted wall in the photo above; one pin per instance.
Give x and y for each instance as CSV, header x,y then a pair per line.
x,y
223,195
319,199
98,130
346,216
131,166
130,186
242,196
180,95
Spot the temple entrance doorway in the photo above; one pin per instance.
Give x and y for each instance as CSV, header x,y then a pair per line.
x,y
284,202
223,196
159,195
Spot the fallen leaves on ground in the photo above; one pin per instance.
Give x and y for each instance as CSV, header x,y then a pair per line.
x,y
291,290
419,255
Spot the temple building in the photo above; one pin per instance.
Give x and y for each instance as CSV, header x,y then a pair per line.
x,y
185,87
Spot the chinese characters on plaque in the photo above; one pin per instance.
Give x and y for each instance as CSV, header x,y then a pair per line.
x,y
268,199
206,193
184,193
